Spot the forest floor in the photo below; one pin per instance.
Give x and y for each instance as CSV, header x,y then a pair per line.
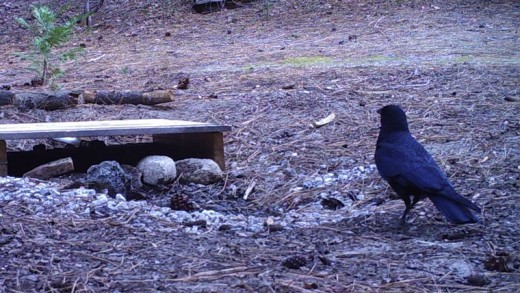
x,y
269,72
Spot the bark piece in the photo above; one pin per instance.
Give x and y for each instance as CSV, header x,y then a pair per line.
x,y
51,169
324,121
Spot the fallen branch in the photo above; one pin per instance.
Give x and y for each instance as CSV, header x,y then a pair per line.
x,y
213,275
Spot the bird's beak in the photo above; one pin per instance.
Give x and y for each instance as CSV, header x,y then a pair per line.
x,y
379,111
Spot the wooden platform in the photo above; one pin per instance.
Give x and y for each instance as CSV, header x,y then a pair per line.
x,y
175,138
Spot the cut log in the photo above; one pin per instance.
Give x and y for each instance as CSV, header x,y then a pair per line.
x,y
6,97
52,169
208,6
128,97
46,101
51,101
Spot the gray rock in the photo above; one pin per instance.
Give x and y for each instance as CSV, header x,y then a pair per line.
x,y
157,170
136,183
201,171
135,174
109,176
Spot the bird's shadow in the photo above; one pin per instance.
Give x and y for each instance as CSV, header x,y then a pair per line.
x,y
428,229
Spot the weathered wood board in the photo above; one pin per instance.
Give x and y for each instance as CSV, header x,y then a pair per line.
x,y
104,128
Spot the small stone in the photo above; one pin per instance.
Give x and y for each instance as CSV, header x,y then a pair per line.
x,y
101,200
102,197
332,203
224,227
197,223
120,197
511,99
275,228
165,210
156,214
478,280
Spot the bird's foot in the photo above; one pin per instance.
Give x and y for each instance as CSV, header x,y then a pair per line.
x,y
403,224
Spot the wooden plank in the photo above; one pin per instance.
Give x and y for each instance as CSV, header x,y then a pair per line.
x,y
105,128
195,145
3,158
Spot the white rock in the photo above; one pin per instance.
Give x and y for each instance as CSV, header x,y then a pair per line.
x,y
112,205
102,197
157,170
461,268
165,210
120,197
156,214
122,206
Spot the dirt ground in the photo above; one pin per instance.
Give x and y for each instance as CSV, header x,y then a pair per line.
x,y
269,72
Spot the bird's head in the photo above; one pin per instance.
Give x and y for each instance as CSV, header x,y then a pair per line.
x,y
393,118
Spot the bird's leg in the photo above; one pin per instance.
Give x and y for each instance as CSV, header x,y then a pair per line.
x,y
403,218
416,199
408,205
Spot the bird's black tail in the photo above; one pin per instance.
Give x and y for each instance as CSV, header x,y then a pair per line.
x,y
456,211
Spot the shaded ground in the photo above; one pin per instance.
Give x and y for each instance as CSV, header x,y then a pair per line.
x,y
450,64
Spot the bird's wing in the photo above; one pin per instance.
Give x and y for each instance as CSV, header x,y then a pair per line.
x,y
410,165
397,158
425,178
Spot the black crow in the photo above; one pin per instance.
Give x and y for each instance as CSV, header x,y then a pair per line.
x,y
412,172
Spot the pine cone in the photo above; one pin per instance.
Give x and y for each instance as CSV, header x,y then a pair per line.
x,y
184,83
181,202
295,262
